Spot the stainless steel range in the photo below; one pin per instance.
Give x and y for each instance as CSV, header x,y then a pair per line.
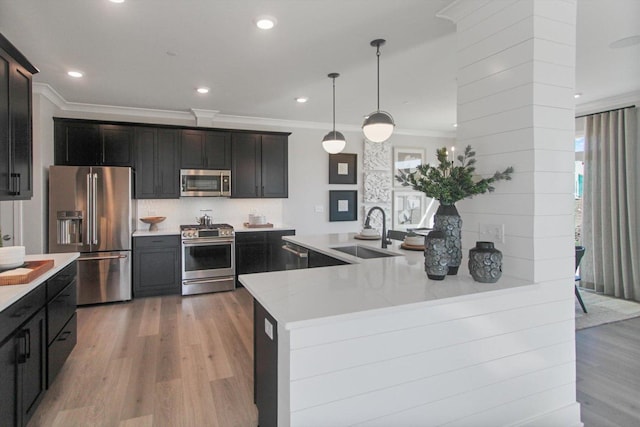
x,y
208,258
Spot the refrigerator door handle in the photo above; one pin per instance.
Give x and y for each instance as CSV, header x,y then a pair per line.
x,y
98,258
89,214
94,209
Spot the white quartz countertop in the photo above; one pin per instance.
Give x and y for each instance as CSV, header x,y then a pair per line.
x,y
299,298
12,293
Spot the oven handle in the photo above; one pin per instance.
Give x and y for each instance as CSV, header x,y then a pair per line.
x,y
206,242
204,281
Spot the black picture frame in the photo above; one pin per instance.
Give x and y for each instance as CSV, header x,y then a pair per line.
x,y
343,168
337,201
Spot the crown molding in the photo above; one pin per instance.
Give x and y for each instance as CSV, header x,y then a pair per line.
x,y
609,103
206,118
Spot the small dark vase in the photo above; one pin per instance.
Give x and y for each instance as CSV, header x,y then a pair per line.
x,y
436,256
449,222
485,263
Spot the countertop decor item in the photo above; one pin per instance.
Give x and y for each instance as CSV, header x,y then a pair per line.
x,y
265,225
485,263
448,184
153,221
436,257
11,257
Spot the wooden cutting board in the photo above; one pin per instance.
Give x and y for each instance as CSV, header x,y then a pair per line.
x,y
267,225
19,276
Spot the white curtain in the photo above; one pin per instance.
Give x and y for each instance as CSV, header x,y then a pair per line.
x,y
611,209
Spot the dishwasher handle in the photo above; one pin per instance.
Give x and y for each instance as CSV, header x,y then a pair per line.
x,y
299,254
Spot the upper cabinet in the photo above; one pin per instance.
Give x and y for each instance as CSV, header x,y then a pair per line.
x,y
260,165
204,149
157,163
16,159
82,143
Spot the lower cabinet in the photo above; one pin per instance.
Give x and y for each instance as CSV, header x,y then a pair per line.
x,y
157,267
37,334
260,251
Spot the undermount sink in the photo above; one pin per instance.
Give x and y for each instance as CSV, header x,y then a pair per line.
x,y
364,252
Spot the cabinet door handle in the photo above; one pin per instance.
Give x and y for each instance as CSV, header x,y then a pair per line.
x,y
15,184
21,348
21,313
64,336
256,190
28,343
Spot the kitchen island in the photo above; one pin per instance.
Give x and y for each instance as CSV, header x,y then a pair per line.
x,y
377,343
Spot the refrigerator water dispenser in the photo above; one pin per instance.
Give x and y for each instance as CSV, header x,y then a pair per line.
x,y
69,227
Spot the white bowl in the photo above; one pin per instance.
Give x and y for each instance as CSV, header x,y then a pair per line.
x,y
369,232
11,256
414,240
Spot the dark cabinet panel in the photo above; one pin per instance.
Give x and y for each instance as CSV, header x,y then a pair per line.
x,y
203,149
16,140
260,251
316,259
260,165
76,144
82,143
157,269
33,373
117,145
156,164
60,348
276,254
8,380
265,366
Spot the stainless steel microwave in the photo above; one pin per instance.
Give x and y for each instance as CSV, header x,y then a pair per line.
x,y
205,183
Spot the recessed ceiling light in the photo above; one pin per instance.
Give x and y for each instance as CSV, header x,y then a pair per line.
x,y
302,99
266,22
455,125
625,42
116,1
75,74
577,95
203,90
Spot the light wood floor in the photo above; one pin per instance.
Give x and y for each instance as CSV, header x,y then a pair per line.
x,y
608,374
175,361
164,361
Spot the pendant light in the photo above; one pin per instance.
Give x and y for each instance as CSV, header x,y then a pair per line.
x,y
334,142
378,126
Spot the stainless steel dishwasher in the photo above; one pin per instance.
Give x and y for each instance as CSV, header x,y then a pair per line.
x,y
295,257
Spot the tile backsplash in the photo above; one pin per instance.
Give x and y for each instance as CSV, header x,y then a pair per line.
x,y
223,210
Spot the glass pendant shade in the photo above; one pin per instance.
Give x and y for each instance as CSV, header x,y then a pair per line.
x,y
333,142
378,126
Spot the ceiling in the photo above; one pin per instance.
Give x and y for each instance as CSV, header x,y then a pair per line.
x,y
154,53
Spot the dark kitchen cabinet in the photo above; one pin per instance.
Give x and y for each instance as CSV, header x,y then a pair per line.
x,y
23,361
260,165
16,138
203,149
62,301
157,163
86,143
260,251
157,267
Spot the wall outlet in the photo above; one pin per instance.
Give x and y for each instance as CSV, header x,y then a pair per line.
x,y
491,232
319,209
268,328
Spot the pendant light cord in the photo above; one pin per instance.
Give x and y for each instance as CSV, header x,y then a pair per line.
x,y
334,107
378,57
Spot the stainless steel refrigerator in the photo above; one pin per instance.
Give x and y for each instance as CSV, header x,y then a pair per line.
x,y
91,211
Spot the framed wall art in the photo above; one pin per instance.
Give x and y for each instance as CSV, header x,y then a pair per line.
x,y
343,205
343,168
408,209
406,160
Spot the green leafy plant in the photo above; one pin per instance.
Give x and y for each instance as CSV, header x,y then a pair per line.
x,y
449,183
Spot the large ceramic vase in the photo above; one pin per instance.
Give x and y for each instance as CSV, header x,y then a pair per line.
x,y
449,222
485,263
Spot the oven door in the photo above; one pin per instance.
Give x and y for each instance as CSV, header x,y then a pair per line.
x,y
208,258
